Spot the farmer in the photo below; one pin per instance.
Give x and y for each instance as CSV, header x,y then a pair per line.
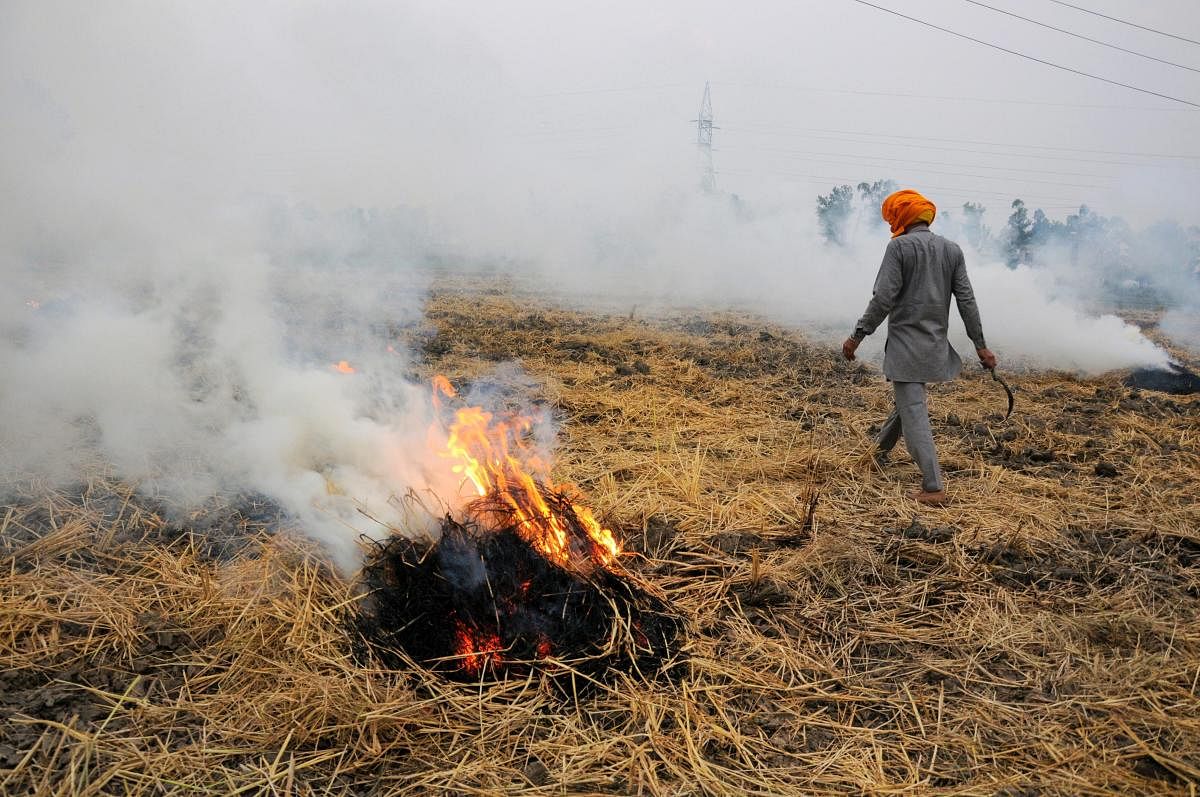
x,y
920,271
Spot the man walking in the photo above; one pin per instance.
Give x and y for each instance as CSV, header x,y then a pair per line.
x,y
919,273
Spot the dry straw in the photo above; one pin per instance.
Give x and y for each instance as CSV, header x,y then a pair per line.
x,y
1037,636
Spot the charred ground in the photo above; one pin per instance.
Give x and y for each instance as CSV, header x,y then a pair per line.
x,y
1038,636
485,605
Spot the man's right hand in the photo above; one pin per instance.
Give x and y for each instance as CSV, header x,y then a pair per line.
x,y
848,348
986,358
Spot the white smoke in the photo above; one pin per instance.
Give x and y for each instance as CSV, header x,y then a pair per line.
x,y
1182,326
769,259
210,204
217,377
1027,320
185,254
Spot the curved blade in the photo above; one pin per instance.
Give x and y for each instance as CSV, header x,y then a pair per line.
x,y
1007,390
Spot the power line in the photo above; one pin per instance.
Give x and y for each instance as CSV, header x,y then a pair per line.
x,y
927,147
1026,56
881,163
1125,22
926,144
988,100
1081,36
561,131
805,132
606,90
999,144
826,90
1009,169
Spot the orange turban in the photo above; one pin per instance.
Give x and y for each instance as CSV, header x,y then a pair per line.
x,y
905,208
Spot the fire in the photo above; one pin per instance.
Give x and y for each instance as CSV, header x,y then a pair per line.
x,y
478,649
493,456
343,367
522,578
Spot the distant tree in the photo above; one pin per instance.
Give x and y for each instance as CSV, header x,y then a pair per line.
x,y
978,234
1101,248
871,196
1083,228
1017,234
1045,230
1101,257
1094,239
833,211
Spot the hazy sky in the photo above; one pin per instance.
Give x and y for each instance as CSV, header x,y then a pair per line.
x,y
472,104
823,92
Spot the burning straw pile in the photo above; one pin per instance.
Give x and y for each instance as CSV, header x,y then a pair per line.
x,y
528,580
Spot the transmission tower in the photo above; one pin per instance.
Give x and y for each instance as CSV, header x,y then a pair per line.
x,y
704,131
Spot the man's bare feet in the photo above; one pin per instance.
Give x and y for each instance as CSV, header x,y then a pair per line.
x,y
930,499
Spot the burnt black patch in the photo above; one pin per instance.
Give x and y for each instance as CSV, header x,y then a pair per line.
x,y
1174,379
483,605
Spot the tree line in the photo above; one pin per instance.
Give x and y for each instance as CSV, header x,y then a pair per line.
x,y
1156,261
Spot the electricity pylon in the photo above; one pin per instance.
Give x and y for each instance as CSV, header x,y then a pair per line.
x,y
704,131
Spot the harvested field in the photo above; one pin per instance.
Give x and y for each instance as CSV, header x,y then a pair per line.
x,y
1040,635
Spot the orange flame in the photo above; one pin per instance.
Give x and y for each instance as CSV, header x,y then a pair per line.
x,y
343,367
476,647
494,457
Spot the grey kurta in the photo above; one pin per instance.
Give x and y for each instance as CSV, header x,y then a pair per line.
x,y
920,272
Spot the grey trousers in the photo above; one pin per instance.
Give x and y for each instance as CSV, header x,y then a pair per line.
x,y
911,418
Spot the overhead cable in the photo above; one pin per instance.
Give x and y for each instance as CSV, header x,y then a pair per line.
x,y
859,155
607,90
993,143
1125,22
1028,57
878,163
988,100
1081,36
923,146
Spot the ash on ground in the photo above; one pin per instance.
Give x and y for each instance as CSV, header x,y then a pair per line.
x,y
1174,379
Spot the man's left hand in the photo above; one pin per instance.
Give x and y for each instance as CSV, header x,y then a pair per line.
x,y
849,347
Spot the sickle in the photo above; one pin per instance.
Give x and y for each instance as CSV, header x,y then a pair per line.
x,y
1007,390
